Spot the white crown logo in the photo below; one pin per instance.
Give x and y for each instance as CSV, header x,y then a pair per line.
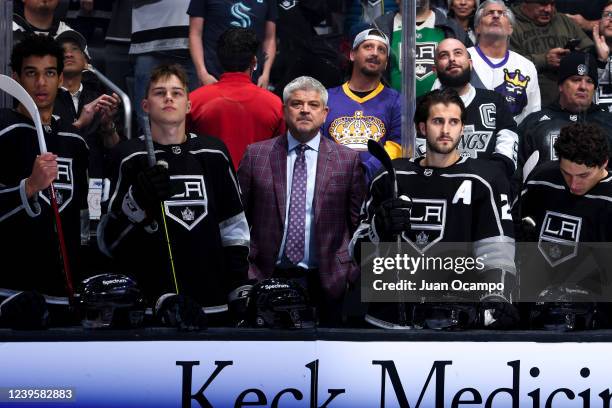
x,y
187,214
422,239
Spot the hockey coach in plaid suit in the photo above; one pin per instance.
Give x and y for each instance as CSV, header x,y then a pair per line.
x,y
302,194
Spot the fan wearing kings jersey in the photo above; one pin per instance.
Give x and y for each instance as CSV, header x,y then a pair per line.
x,y
451,199
489,131
30,247
207,229
567,203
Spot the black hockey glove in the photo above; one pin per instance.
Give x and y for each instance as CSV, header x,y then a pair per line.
x,y
24,311
496,308
152,186
392,217
181,312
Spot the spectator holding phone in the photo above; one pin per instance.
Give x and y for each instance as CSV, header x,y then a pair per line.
x,y
544,36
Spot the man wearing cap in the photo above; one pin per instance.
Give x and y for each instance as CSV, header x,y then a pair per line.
x,y
363,108
542,35
432,27
497,67
576,85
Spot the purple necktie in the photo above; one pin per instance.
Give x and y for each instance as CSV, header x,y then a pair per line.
x,y
294,246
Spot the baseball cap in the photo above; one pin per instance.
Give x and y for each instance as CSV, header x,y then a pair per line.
x,y
577,63
75,37
371,34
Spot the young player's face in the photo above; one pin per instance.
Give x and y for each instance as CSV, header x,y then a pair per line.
x,y
167,101
443,128
370,58
74,58
540,12
494,22
41,5
305,113
576,93
453,64
580,178
39,77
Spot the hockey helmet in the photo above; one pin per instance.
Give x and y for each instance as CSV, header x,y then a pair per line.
x,y
566,308
452,313
110,300
279,303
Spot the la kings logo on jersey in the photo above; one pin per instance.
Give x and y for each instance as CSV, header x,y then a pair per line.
x,y
473,142
287,4
559,237
425,52
190,206
64,184
427,220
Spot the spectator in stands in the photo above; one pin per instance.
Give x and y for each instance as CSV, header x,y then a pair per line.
x,y
87,16
584,13
209,19
577,83
234,109
602,37
432,27
301,194
489,131
499,68
81,100
160,32
38,17
361,14
117,46
542,35
463,13
364,108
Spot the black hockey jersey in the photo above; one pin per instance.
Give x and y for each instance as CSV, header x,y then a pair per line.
x,y
30,248
207,228
566,225
489,132
540,130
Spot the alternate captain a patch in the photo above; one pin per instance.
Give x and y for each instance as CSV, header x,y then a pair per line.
x,y
190,205
514,90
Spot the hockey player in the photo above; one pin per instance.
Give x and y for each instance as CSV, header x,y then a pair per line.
x,y
565,205
451,199
30,246
207,230
364,108
489,131
577,83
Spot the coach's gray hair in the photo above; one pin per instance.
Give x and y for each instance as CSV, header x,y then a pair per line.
x,y
484,4
305,83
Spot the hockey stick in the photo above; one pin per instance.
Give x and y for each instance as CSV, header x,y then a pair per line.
x,y
148,139
13,88
530,164
379,152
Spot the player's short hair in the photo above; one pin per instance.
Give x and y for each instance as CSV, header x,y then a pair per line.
x,y
305,83
37,45
445,96
236,48
166,71
583,143
484,4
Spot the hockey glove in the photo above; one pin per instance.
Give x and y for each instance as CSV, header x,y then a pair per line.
x,y
238,300
181,312
392,218
152,185
24,311
497,310
528,231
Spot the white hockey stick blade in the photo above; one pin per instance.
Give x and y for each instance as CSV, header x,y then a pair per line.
x,y
530,164
13,88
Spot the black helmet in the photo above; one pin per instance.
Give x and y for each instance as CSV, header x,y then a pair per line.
x,y
279,303
451,314
566,308
110,300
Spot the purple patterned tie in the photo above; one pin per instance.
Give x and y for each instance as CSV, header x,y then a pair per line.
x,y
294,247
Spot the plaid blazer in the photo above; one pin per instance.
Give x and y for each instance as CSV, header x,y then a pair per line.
x,y
339,191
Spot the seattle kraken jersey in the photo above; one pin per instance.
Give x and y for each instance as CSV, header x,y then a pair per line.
x,y
207,228
30,248
489,131
564,223
352,121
